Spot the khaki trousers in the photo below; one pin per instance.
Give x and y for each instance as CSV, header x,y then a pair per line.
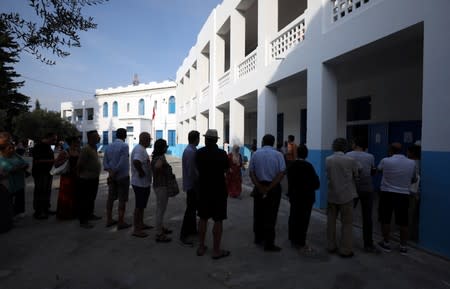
x,y
346,212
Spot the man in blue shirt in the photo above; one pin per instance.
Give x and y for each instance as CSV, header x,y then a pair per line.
x,y
190,179
117,163
267,168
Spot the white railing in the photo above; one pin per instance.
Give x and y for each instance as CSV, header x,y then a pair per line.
x,y
288,37
205,91
248,65
341,8
224,79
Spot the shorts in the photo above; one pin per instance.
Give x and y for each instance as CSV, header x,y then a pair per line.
x,y
397,203
118,189
141,196
212,208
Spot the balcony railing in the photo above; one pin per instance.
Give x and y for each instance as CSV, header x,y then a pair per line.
x,y
288,37
224,79
248,65
342,8
205,92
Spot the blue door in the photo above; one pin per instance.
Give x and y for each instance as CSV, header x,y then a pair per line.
x,y
105,137
171,137
159,134
378,146
405,132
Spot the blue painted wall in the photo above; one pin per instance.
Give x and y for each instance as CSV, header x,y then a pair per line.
x,y
317,159
434,223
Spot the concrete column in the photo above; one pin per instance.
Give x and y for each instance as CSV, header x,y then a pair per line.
x,y
267,113
435,162
267,28
321,121
237,45
202,126
237,122
219,123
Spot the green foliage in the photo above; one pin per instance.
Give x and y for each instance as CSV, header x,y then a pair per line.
x,y
61,22
12,103
34,125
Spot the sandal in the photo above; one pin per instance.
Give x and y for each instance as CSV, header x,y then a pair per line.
x,y
201,250
162,238
223,254
140,234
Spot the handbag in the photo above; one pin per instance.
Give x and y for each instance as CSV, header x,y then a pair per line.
x,y
172,186
59,170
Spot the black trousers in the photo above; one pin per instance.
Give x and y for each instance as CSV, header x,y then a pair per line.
x,y
366,199
265,211
86,192
299,216
19,202
42,192
6,210
189,226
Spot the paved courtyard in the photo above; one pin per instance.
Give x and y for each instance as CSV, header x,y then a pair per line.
x,y
52,254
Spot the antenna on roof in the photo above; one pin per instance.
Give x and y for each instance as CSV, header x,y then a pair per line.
x,y
135,79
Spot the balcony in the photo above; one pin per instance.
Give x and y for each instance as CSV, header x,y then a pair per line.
x,y
342,8
224,79
288,38
247,65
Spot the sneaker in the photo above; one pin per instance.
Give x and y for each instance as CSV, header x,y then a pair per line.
x,y
403,250
385,246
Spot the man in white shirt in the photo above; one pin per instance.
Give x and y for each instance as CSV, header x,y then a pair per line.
x,y
398,174
141,179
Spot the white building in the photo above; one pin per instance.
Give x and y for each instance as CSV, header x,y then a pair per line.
x,y
137,108
319,69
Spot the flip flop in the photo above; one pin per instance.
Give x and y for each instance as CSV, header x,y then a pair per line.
x,y
140,234
223,254
201,250
112,223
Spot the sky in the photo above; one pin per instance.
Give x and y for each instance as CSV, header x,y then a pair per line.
x,y
149,38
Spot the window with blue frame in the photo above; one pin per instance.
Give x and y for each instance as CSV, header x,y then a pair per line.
x,y
115,110
114,135
105,137
171,137
105,109
130,129
172,104
159,134
141,107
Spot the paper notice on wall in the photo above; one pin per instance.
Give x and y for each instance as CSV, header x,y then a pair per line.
x,y
378,138
408,137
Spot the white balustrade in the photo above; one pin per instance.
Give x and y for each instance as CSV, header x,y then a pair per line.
x,y
224,79
288,37
342,8
248,65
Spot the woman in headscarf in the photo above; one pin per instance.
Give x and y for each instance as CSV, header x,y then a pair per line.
x,y
234,177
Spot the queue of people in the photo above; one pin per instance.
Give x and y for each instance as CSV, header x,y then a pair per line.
x,y
210,176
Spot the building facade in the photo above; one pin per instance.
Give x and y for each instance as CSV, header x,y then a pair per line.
x,y
321,69
141,107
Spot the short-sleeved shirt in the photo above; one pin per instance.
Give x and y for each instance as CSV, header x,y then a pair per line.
x,y
140,154
190,173
302,181
16,178
42,151
398,172
366,162
342,173
89,165
266,163
117,159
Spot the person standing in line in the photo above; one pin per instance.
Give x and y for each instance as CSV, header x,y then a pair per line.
x,y
302,184
234,174
364,190
66,196
291,154
6,202
267,169
43,159
117,163
343,174
88,171
161,170
212,163
141,180
398,174
190,186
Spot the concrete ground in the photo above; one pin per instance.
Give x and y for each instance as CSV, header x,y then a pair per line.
x,y
41,254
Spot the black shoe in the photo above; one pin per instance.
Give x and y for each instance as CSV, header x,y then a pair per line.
x,y
51,212
259,242
186,242
86,225
349,255
40,216
272,248
94,218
